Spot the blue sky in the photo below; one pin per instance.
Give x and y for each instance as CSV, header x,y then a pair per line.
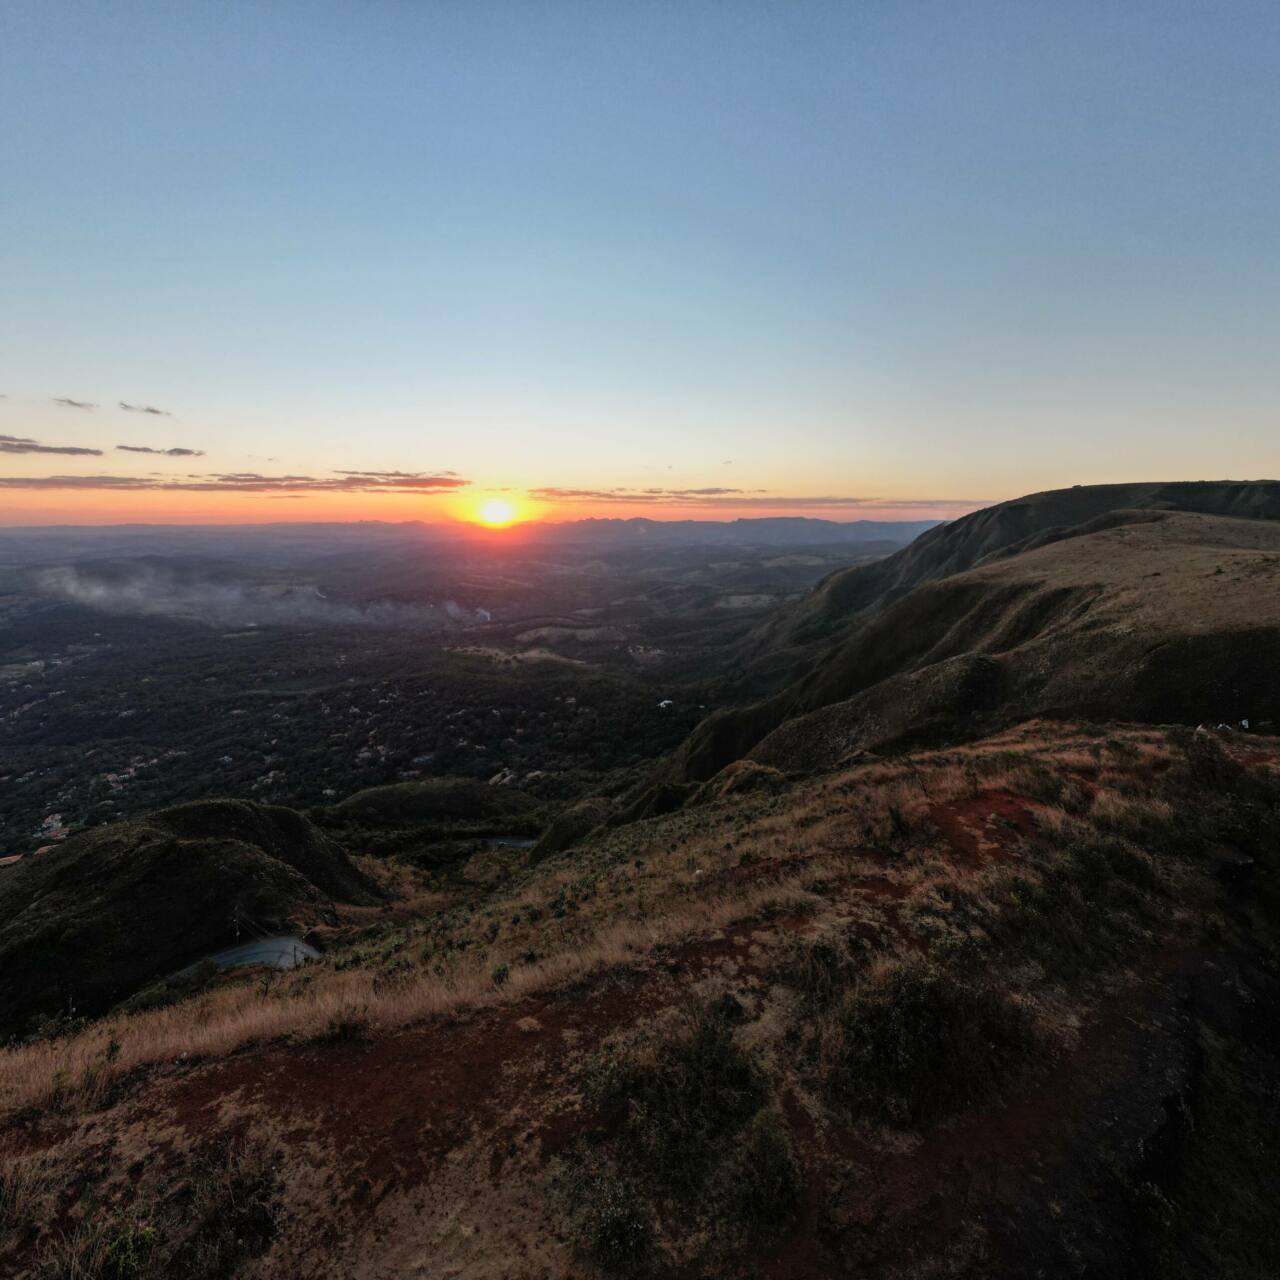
x,y
936,253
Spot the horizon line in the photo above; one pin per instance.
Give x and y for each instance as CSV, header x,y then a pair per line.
x,y
533,522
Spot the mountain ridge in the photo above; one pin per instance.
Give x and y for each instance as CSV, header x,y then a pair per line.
x,y
835,637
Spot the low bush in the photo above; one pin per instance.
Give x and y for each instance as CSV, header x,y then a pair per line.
x,y
221,1215
347,1026
1087,905
675,1115
231,1204
820,969
130,1252
918,1045
1218,801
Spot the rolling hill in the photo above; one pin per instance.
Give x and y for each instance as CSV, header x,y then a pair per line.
x,y
1164,611
89,923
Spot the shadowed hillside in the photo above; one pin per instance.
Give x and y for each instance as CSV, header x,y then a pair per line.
x,y
86,924
1148,613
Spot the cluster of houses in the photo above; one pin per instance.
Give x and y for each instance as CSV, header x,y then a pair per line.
x,y
51,828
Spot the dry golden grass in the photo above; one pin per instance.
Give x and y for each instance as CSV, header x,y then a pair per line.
x,y
25,1179
681,877
81,1253
78,1070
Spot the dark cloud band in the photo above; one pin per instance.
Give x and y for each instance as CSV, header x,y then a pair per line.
x,y
245,482
720,497
20,444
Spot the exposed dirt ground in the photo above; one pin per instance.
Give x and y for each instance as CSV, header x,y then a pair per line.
x,y
1048,870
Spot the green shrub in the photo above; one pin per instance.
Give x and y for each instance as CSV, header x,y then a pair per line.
x,y
131,1252
919,1045
675,1116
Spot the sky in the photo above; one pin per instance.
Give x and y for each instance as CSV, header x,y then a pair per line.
x,y
701,258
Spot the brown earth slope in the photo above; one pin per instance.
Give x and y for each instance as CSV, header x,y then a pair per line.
x,y
985,1012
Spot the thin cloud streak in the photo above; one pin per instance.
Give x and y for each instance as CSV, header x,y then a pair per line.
x,y
144,408
68,403
164,453
553,493
389,475
23,444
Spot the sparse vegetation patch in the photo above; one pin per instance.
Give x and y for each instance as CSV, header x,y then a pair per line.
x,y
916,1045
675,1114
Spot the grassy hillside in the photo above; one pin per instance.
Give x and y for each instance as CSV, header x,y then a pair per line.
x,y
999,530
1152,616
87,924
970,1012
955,958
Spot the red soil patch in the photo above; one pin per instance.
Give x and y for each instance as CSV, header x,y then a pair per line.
x,y
883,888
984,828
396,1107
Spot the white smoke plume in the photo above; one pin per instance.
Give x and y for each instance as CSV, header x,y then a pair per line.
x,y
223,602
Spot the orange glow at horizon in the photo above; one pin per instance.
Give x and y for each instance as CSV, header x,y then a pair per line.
x,y
104,507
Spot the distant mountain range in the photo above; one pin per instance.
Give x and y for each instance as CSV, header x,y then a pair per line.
x,y
765,530
19,545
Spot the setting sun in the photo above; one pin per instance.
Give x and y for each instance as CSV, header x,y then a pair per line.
x,y
497,511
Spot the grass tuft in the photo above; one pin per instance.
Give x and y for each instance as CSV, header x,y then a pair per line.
x,y
612,1225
